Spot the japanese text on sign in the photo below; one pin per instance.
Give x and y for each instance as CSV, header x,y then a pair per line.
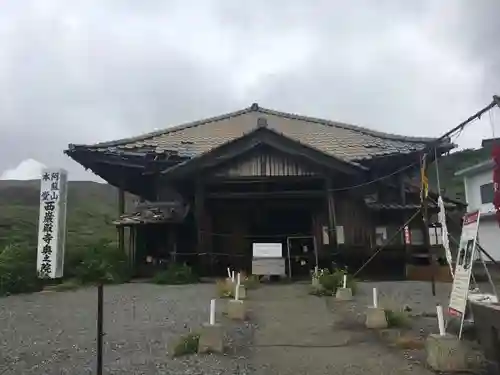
x,y
51,236
465,261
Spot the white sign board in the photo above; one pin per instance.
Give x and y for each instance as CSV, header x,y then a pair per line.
x,y
52,223
267,250
339,230
464,264
268,266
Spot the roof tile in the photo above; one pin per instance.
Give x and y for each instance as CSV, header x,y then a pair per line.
x,y
340,140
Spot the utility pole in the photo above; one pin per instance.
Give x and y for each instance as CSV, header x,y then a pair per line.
x,y
425,217
425,222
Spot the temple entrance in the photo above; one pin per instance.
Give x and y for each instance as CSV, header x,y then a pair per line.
x,y
302,256
291,225
268,221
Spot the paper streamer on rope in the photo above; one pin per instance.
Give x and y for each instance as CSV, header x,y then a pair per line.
x,y
444,233
424,181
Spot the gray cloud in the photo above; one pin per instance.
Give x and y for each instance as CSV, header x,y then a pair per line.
x,y
94,71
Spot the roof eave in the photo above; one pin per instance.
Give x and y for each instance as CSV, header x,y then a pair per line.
x,y
485,165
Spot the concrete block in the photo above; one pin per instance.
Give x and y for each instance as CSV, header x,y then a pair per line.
x,y
445,353
242,292
344,294
375,318
211,339
236,309
315,283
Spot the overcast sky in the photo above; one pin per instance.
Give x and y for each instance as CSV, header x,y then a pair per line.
x,y
93,70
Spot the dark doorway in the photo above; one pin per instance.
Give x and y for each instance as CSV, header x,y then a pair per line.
x,y
302,254
280,220
287,224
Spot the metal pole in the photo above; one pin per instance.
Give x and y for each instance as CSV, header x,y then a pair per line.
x,y
315,252
100,310
289,260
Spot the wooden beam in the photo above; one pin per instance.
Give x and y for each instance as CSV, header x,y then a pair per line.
x,y
267,179
330,204
121,211
407,246
199,203
267,194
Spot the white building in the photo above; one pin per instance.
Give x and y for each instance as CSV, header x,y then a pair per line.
x,y
478,183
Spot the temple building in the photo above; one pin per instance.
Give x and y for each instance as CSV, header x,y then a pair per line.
x,y
207,190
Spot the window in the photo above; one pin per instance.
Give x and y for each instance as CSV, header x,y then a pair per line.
x,y
487,193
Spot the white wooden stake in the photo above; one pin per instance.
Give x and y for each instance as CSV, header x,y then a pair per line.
x,y
375,298
440,318
232,276
228,272
345,282
237,288
212,312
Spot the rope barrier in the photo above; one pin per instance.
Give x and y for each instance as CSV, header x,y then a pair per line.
x,y
386,243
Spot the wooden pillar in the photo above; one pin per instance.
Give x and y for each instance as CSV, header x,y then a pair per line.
x,y
199,208
332,222
121,211
427,240
407,247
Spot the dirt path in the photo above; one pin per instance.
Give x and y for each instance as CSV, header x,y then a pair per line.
x,y
297,334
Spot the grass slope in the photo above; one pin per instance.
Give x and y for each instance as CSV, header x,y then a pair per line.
x,y
91,209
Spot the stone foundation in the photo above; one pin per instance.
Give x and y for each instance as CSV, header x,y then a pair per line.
x,y
344,294
445,353
375,318
236,309
211,339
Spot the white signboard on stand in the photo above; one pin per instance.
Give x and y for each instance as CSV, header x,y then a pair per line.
x,y
464,264
267,250
52,223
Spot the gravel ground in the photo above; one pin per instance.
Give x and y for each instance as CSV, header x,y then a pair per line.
x,y
54,332
396,296
297,333
290,332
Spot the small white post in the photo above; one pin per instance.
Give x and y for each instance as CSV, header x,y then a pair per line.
x,y
440,318
345,281
228,272
212,312
375,298
237,288
232,276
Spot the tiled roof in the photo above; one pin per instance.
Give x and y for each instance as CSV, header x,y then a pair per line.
x,y
343,141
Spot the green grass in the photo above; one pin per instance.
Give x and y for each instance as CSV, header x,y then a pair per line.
x,y
91,253
91,209
397,319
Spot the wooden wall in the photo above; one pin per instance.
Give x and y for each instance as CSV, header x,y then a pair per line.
x,y
267,163
356,219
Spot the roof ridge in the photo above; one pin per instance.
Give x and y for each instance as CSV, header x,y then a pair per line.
x,y
256,108
172,129
338,124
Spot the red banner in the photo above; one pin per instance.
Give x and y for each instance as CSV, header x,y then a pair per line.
x,y
495,154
